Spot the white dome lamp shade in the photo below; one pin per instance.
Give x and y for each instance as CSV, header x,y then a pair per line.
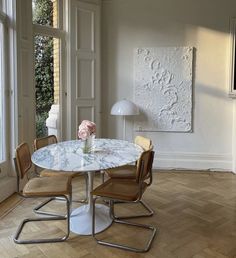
x,y
124,108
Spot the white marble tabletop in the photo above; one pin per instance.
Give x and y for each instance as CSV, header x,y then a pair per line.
x,y
68,155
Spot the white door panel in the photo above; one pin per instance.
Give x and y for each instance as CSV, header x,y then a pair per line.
x,y
84,89
25,73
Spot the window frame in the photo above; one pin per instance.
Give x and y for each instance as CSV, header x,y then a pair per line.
x,y
5,162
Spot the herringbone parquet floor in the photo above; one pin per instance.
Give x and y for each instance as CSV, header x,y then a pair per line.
x,y
195,213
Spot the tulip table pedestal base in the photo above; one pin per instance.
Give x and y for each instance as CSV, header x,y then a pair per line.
x,y
81,218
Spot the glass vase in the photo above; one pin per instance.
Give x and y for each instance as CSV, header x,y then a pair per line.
x,y
88,144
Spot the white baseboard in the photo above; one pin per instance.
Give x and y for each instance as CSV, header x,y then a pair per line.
x,y
7,187
194,161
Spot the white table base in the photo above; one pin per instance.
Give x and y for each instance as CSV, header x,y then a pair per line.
x,y
81,219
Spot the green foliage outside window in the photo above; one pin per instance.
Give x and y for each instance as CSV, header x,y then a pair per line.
x,y
44,79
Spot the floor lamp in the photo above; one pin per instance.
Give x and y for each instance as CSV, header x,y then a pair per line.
x,y
124,108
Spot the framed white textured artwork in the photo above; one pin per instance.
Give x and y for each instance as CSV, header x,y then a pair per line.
x,y
163,88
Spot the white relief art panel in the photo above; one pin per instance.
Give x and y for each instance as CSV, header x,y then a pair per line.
x,y
163,89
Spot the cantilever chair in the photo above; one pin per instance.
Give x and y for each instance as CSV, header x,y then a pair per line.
x,y
39,187
129,172
126,190
40,143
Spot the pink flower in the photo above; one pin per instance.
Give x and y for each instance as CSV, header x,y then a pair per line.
x,y
83,134
90,125
82,127
86,128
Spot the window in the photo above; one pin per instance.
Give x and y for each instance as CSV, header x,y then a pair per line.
x,y
46,13
48,36
47,79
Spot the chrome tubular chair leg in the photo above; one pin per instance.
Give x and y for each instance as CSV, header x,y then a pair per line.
x,y
103,176
137,250
41,205
93,217
38,211
70,207
44,240
124,247
146,207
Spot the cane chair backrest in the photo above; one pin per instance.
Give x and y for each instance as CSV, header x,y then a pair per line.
x,y
144,166
44,141
23,159
143,142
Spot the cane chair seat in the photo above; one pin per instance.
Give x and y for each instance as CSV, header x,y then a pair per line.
x,y
45,186
51,173
123,172
127,190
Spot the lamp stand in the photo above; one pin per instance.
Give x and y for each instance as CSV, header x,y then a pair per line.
x,y
124,128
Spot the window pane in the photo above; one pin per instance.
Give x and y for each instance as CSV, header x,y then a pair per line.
x,y
47,79
1,97
45,12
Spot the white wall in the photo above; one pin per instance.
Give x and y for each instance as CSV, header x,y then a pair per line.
x,y
127,24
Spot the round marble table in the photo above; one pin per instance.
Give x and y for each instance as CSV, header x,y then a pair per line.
x,y
68,156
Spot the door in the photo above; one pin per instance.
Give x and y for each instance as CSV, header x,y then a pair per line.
x,y
84,66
